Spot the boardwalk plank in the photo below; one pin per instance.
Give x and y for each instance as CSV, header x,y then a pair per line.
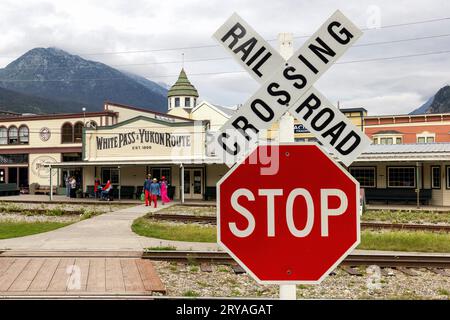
x,y
131,276
81,267
42,280
96,277
114,276
23,281
149,276
14,270
61,276
5,263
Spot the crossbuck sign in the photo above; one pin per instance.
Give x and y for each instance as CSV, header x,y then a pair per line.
x,y
287,86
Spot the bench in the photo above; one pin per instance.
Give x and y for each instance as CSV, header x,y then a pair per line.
x,y
9,189
397,194
139,191
89,192
36,188
210,193
127,192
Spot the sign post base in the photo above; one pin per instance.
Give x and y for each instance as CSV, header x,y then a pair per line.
x,y
288,292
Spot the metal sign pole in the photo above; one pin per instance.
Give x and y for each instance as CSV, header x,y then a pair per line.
x,y
286,131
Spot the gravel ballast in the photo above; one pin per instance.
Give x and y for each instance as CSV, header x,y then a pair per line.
x,y
189,280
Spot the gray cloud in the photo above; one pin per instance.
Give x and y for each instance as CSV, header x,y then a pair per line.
x,y
391,86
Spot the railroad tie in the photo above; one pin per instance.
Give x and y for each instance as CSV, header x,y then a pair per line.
x,y
407,271
439,271
351,271
237,269
205,267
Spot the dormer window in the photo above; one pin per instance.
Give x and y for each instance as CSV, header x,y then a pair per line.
x,y
187,102
177,102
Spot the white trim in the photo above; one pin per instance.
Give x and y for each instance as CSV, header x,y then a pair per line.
x,y
404,167
282,282
374,168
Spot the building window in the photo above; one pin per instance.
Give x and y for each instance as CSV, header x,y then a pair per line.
x,y
436,177
24,135
77,132
67,133
3,135
187,102
365,175
195,102
14,159
111,174
401,177
13,135
386,140
162,172
177,102
426,137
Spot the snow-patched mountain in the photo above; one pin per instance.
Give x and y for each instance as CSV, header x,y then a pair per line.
x,y
54,74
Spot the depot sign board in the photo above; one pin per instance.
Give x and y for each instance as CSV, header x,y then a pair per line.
x,y
292,227
287,86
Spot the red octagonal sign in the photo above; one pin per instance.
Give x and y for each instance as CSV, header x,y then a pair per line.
x,y
290,216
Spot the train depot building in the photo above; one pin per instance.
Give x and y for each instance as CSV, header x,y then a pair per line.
x,y
409,159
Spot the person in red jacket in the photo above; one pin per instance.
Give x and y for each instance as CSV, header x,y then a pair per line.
x,y
106,189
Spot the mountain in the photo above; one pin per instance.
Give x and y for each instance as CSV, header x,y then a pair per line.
x,y
54,74
439,103
22,103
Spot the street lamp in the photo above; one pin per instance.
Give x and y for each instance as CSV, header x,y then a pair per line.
x,y
84,115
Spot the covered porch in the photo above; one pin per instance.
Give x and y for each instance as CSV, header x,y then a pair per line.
x,y
410,174
188,180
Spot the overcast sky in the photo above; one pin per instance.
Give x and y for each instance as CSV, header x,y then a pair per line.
x,y
97,30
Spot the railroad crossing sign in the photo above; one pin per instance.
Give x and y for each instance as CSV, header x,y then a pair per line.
x,y
286,86
293,227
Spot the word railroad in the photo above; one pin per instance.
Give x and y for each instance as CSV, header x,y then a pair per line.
x,y
287,86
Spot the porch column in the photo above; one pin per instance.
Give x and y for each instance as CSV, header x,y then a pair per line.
x,y
120,182
51,183
417,184
182,184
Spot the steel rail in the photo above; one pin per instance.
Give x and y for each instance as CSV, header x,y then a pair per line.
x,y
410,260
364,225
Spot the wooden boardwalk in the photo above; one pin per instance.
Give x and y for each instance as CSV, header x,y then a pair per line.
x,y
86,274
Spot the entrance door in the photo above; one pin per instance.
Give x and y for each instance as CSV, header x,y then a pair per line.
x,y
193,183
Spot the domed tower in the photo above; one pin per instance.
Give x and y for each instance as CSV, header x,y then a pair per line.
x,y
182,94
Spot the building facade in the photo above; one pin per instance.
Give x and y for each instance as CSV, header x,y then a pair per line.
x,y
410,154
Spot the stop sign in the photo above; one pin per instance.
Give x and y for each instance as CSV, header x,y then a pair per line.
x,y
290,217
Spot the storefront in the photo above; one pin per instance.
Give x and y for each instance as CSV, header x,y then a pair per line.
x,y
125,152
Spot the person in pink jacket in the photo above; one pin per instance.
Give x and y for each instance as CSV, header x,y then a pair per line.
x,y
164,197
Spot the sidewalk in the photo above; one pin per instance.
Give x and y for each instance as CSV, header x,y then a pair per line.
x,y
109,231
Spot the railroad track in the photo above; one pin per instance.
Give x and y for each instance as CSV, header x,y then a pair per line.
x,y
364,225
407,260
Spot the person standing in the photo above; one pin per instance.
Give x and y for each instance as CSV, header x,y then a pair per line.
x,y
96,189
73,187
146,189
155,191
164,186
67,182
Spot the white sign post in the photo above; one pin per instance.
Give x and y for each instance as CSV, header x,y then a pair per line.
x,y
287,87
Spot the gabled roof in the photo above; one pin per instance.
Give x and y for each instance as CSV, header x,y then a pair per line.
x,y
225,111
